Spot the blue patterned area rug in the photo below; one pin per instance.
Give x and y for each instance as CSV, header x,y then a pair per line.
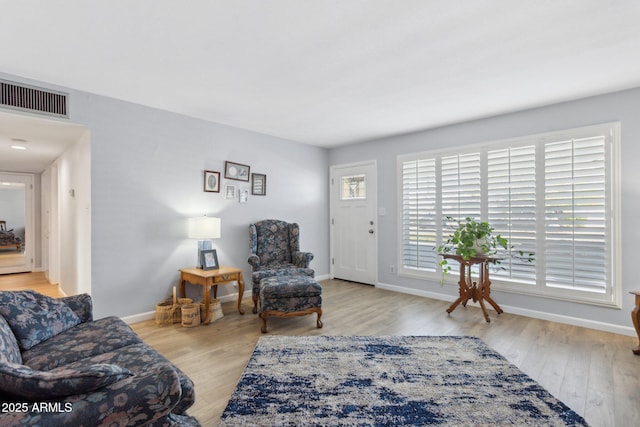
x,y
388,381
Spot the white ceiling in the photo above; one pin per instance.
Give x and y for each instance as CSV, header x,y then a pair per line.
x,y
44,141
328,72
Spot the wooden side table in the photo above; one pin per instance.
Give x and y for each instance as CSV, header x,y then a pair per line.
x,y
479,291
635,317
208,278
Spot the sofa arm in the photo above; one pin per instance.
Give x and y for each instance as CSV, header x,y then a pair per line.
x,y
254,261
138,400
81,305
302,259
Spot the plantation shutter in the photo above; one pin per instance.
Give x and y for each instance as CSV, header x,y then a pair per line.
x,y
461,196
576,229
553,195
419,214
460,189
511,201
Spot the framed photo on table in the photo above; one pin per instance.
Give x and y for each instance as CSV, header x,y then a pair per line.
x,y
258,184
212,181
209,259
236,171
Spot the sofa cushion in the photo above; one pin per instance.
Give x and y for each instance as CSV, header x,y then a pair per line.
x,y
81,305
34,317
81,342
20,380
9,350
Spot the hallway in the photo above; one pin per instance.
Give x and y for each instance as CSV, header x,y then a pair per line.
x,y
35,281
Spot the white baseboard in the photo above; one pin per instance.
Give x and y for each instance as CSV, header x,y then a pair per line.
x,y
559,318
150,315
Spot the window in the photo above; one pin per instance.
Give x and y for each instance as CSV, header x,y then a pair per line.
x,y
353,187
553,194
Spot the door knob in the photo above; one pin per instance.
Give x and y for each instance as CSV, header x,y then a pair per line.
x,y
371,231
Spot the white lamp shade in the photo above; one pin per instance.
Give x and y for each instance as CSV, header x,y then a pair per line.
x,y
204,228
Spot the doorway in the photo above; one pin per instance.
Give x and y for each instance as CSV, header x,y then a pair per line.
x,y
16,223
57,154
354,242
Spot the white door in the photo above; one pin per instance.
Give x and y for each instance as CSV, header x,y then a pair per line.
x,y
353,222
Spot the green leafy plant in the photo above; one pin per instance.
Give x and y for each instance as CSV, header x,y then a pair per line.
x,y
472,238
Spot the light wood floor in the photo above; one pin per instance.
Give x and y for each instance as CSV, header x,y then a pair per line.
x,y
593,372
34,281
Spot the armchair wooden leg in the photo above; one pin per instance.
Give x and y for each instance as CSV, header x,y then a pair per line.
x,y
264,322
255,303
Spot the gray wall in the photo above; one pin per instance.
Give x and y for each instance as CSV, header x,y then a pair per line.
x,y
623,106
147,179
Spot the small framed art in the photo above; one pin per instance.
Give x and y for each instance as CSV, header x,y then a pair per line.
x,y
230,191
258,184
209,259
212,181
243,195
236,171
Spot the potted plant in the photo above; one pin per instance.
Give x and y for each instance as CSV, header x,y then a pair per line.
x,y
472,238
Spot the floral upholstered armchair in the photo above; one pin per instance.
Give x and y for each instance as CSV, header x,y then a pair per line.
x,y
275,251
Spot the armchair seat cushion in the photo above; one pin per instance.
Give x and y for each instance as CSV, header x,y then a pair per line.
x,y
280,270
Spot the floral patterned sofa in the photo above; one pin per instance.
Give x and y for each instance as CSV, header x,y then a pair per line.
x,y
59,367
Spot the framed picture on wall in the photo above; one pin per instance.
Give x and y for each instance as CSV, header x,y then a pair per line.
x,y
236,171
229,191
258,184
212,181
209,259
243,195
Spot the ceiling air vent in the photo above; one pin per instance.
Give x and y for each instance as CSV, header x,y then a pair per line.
x,y
32,99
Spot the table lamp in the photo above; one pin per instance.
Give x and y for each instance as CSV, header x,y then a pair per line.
x,y
204,229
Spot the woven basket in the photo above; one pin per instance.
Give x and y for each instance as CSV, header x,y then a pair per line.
x,y
167,312
215,311
190,315
177,314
